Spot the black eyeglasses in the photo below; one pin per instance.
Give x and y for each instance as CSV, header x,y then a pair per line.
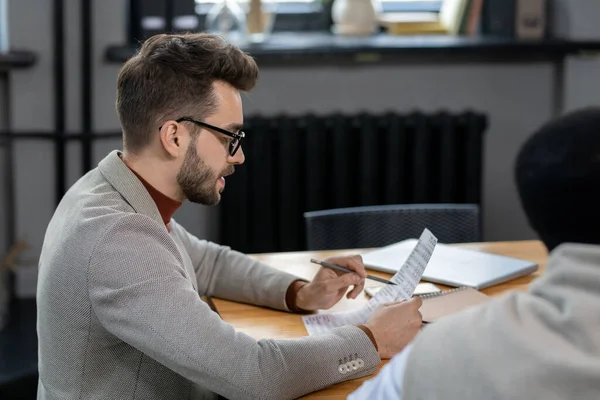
x,y
235,142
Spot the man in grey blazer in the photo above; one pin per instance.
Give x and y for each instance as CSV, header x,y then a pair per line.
x,y
120,314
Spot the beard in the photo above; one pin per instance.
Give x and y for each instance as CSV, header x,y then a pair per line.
x,y
198,181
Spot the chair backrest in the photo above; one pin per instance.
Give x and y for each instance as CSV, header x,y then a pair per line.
x,y
376,226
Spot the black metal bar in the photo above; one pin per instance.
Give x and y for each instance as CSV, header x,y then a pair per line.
x,y
134,26
27,135
169,15
10,204
11,136
86,84
59,99
17,59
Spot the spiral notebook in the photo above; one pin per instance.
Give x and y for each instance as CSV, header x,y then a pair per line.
x,y
439,304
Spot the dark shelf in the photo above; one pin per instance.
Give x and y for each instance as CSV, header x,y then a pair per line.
x,y
321,46
17,59
18,344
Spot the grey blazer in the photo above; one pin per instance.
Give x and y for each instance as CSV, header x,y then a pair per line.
x,y
120,314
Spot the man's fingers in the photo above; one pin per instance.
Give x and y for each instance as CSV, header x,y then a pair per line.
x,y
417,301
356,290
343,281
354,263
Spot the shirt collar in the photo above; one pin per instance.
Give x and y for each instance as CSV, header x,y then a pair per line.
x,y
166,205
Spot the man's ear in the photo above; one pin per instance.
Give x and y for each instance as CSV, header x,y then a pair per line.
x,y
171,138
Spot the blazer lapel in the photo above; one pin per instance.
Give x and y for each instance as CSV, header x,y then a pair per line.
x,y
114,170
128,185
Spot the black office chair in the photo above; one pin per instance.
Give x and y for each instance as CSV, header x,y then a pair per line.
x,y
376,226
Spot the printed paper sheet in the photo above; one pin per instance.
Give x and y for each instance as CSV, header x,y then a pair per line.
x,y
406,280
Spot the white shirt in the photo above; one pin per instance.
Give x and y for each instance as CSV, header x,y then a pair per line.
x,y
388,383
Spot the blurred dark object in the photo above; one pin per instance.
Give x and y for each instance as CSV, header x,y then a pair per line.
x,y
150,17
18,353
498,18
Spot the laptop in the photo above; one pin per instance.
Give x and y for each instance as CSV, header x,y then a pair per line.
x,y
452,266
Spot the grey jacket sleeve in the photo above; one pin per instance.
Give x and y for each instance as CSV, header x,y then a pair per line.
x,y
140,293
231,275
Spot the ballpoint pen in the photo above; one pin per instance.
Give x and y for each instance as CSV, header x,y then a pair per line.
x,y
343,269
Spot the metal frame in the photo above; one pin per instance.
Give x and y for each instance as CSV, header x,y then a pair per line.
x,y
86,84
59,135
8,164
60,162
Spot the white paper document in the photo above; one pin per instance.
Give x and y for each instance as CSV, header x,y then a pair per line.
x,y
406,280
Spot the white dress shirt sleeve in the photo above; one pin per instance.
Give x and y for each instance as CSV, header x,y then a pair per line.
x,y
388,383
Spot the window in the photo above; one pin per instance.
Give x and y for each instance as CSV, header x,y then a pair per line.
x,y
292,15
287,6
411,5
313,14
147,17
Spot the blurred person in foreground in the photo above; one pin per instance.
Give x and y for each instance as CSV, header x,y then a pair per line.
x,y
539,344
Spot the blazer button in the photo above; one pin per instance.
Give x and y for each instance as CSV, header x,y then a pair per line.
x,y
343,369
353,365
360,362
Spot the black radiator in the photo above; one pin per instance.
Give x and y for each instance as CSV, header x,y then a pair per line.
x,y
304,163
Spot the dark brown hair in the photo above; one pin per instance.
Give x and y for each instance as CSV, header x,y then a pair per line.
x,y
171,76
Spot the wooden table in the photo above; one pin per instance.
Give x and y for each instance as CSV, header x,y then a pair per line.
x,y
263,323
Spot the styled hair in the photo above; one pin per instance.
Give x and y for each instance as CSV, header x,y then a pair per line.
x,y
172,76
557,173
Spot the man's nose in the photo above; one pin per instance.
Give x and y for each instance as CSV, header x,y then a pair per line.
x,y
238,157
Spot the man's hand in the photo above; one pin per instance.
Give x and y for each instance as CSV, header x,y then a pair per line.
x,y
329,285
394,325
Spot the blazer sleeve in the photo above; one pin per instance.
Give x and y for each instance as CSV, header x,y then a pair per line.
x,y
228,274
140,293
